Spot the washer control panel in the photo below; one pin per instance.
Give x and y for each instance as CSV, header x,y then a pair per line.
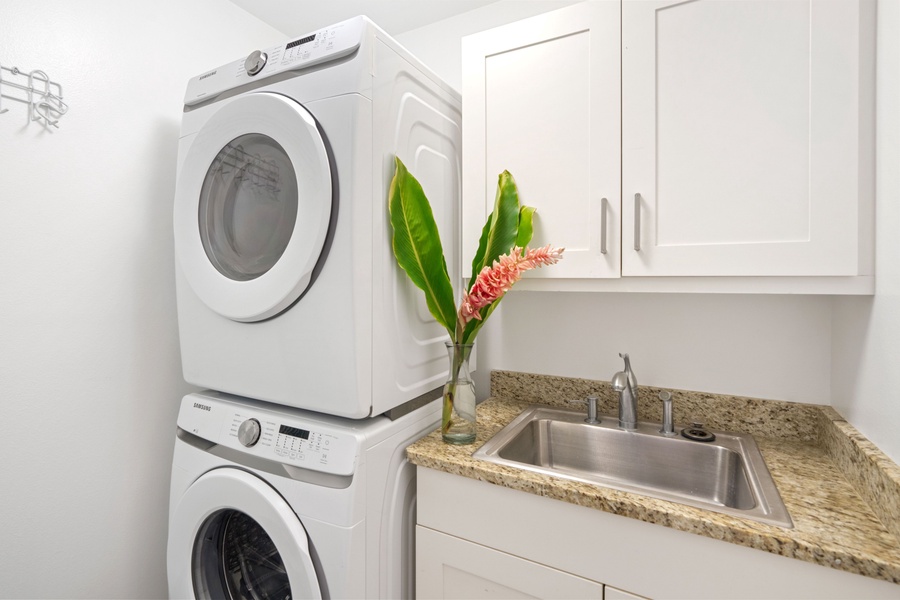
x,y
333,42
283,436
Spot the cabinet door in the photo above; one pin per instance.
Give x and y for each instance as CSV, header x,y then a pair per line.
x,y
742,136
541,100
450,567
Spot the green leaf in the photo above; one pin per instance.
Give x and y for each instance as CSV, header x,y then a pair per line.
x,y
526,226
478,261
417,246
500,232
509,225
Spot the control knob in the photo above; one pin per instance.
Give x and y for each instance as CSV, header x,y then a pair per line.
x,y
248,432
255,62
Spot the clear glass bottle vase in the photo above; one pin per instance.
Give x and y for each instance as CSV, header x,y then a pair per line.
x,y
458,417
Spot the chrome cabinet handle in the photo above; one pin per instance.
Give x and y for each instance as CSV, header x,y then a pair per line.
x,y
637,222
604,203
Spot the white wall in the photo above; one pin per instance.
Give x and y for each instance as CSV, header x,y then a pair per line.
x,y
760,346
866,345
840,351
439,45
90,374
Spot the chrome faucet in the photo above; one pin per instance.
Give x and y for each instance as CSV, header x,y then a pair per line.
x,y
624,383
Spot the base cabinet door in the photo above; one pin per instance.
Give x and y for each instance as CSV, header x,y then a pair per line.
x,y
450,567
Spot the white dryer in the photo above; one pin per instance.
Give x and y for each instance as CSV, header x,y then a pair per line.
x,y
286,283
275,502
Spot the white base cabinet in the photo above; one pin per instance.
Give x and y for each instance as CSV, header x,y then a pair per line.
x,y
456,568
479,540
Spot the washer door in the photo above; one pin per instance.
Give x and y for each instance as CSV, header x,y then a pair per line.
x,y
232,536
253,205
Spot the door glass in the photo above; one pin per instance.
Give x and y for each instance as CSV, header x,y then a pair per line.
x,y
248,206
234,558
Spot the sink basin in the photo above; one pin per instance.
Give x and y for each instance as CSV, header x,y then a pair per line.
x,y
727,475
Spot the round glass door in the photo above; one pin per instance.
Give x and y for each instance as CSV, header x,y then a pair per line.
x,y
253,206
248,207
233,537
235,558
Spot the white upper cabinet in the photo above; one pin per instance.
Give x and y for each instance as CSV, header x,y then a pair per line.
x,y
541,100
740,157
741,135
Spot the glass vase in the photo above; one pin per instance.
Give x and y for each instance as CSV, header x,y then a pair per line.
x,y
458,417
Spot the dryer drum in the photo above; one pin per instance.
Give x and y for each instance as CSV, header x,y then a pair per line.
x,y
234,558
248,206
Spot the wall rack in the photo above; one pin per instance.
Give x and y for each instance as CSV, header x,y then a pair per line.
x,y
34,88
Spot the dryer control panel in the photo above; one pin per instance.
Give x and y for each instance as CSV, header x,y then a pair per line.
x,y
286,436
330,43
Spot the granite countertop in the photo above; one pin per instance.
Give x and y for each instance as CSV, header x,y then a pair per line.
x,y
842,493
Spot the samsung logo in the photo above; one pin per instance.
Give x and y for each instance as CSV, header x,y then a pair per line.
x,y
210,74
202,406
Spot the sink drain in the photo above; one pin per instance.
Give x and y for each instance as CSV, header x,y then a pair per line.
x,y
698,435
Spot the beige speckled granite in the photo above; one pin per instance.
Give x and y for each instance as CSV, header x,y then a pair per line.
x,y
809,458
874,475
767,418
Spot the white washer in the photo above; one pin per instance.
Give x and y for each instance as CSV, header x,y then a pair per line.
x,y
289,503
287,287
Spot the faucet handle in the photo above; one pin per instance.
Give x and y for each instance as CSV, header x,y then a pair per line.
x,y
619,381
629,373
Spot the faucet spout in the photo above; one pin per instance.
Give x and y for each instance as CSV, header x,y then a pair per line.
x,y
624,383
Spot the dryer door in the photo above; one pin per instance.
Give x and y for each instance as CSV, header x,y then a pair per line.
x,y
232,536
253,205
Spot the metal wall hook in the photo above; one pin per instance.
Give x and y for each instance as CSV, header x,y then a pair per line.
x,y
44,104
35,112
54,101
57,104
46,79
41,110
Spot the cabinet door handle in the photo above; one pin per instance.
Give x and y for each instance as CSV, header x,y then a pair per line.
x,y
637,222
604,204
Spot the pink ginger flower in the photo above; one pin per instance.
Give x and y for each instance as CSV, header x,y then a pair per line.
x,y
494,281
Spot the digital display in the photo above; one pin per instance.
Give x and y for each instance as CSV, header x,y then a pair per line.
x,y
300,42
293,431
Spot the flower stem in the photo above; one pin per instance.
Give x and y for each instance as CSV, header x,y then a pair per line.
x,y
450,390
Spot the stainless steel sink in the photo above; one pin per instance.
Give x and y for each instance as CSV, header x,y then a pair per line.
x,y
727,475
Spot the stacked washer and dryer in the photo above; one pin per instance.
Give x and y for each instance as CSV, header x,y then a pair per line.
x,y
289,477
